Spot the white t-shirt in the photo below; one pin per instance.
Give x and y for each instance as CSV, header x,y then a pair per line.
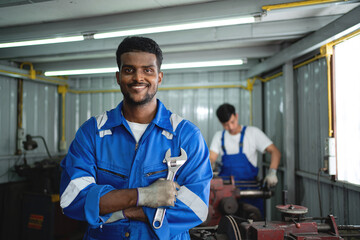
x,y
254,140
137,129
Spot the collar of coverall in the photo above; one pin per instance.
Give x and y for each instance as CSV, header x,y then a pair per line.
x,y
162,118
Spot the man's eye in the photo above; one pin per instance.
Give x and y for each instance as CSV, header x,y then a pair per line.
x,y
148,70
127,70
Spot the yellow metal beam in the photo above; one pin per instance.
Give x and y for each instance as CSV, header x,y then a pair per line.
x,y
30,74
297,4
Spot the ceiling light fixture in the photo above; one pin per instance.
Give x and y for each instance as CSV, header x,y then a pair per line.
x,y
168,66
139,31
81,71
202,64
41,41
178,27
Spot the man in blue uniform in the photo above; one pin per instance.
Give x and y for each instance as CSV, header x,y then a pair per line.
x,y
114,175
238,146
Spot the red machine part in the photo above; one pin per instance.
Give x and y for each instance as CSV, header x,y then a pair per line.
x,y
294,226
290,230
224,197
220,196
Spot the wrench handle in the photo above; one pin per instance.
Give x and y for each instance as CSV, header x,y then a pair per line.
x,y
171,175
160,212
159,218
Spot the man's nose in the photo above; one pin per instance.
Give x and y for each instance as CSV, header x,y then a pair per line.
x,y
138,76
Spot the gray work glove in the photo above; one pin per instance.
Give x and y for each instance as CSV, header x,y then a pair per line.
x,y
160,193
271,178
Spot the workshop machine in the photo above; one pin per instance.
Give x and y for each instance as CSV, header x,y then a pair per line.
x,y
293,226
224,196
41,215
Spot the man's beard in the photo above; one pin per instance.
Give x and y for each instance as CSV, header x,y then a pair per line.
x,y
148,97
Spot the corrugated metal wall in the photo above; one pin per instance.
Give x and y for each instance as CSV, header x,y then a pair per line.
x,y
40,114
273,103
273,127
80,107
199,105
40,118
338,199
312,114
8,113
311,117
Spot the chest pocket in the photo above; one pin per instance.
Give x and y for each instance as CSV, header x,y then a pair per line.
x,y
152,173
118,179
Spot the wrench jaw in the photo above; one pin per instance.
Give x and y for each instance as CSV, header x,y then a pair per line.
x,y
183,156
174,161
167,156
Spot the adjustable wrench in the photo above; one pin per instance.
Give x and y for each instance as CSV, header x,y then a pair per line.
x,y
173,163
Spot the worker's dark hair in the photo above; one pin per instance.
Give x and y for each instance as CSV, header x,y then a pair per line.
x,y
224,112
139,44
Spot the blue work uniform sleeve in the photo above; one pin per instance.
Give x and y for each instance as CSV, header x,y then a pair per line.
x,y
79,193
191,207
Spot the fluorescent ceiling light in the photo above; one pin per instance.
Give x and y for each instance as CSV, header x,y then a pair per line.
x,y
139,31
202,64
163,67
42,41
178,27
81,71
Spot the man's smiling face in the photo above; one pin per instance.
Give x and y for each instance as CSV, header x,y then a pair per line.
x,y
139,77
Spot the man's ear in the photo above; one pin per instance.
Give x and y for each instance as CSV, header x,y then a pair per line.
x,y
118,77
161,75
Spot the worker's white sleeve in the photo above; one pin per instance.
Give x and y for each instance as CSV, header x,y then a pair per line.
x,y
261,140
215,145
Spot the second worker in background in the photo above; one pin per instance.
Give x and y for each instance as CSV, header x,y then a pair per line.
x,y
238,146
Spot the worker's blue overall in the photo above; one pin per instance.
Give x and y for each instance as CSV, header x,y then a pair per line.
x,y
105,156
238,166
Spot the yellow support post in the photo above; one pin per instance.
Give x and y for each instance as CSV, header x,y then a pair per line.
x,y
328,51
62,90
250,87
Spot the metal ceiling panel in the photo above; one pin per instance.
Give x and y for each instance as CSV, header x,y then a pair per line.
x,y
260,40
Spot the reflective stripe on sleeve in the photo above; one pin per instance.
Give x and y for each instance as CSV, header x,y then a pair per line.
x,y
73,189
194,202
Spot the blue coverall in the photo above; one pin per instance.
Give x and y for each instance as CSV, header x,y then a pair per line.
x,y
104,156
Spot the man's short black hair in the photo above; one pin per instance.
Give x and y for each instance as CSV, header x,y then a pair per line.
x,y
139,44
224,112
